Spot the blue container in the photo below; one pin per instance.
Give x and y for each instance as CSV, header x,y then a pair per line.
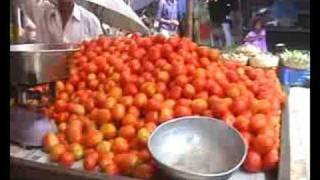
x,y
294,77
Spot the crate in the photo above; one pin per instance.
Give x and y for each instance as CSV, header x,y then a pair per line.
x,y
294,77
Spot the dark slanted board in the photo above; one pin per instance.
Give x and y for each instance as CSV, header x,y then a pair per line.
x,y
285,159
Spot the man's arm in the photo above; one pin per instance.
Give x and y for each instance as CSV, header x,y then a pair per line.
x,y
159,13
95,27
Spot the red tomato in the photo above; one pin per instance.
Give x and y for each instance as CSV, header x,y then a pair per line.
x,y
182,111
67,159
90,162
242,123
111,169
263,144
271,160
258,122
189,91
239,105
144,171
253,162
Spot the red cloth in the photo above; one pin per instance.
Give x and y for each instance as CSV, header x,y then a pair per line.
x,y
205,31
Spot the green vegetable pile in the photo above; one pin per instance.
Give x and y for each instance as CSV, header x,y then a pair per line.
x,y
295,59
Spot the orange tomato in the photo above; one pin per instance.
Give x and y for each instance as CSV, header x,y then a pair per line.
x,y
92,138
127,132
120,145
199,106
118,112
56,151
49,141
108,130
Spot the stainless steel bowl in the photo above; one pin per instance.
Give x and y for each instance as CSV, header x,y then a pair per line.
x,y
196,147
32,64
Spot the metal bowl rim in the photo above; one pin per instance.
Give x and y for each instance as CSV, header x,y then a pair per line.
x,y
71,47
227,172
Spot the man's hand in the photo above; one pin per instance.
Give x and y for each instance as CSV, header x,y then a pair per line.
x,y
175,22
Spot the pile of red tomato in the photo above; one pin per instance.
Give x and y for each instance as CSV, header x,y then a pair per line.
x,y
122,88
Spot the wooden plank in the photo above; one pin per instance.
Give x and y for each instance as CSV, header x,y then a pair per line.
x,y
285,159
22,169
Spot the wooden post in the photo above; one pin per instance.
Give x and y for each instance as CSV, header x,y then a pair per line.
x,y
189,18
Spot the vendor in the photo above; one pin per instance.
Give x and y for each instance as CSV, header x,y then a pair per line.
x,y
57,21
167,17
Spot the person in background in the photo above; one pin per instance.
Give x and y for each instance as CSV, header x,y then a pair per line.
x,y
219,11
167,17
57,21
257,36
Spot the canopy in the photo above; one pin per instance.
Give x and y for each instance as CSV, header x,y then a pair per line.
x,y
115,13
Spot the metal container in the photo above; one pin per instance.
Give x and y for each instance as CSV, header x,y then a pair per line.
x,y
32,64
196,147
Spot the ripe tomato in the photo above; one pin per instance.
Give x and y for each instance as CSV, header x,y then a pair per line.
x,y
62,127
144,171
258,122
242,123
253,162
154,53
263,144
150,126
199,84
118,112
182,111
239,105
140,100
103,116
130,89
175,92
56,151
78,109
74,131
149,88
213,54
92,138
90,162
152,116
126,161
188,91
143,135
105,159
166,114
233,92
67,159
77,150
111,169
108,130
103,147
49,141
127,132
144,155
120,145
199,106
110,102
153,105
271,160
